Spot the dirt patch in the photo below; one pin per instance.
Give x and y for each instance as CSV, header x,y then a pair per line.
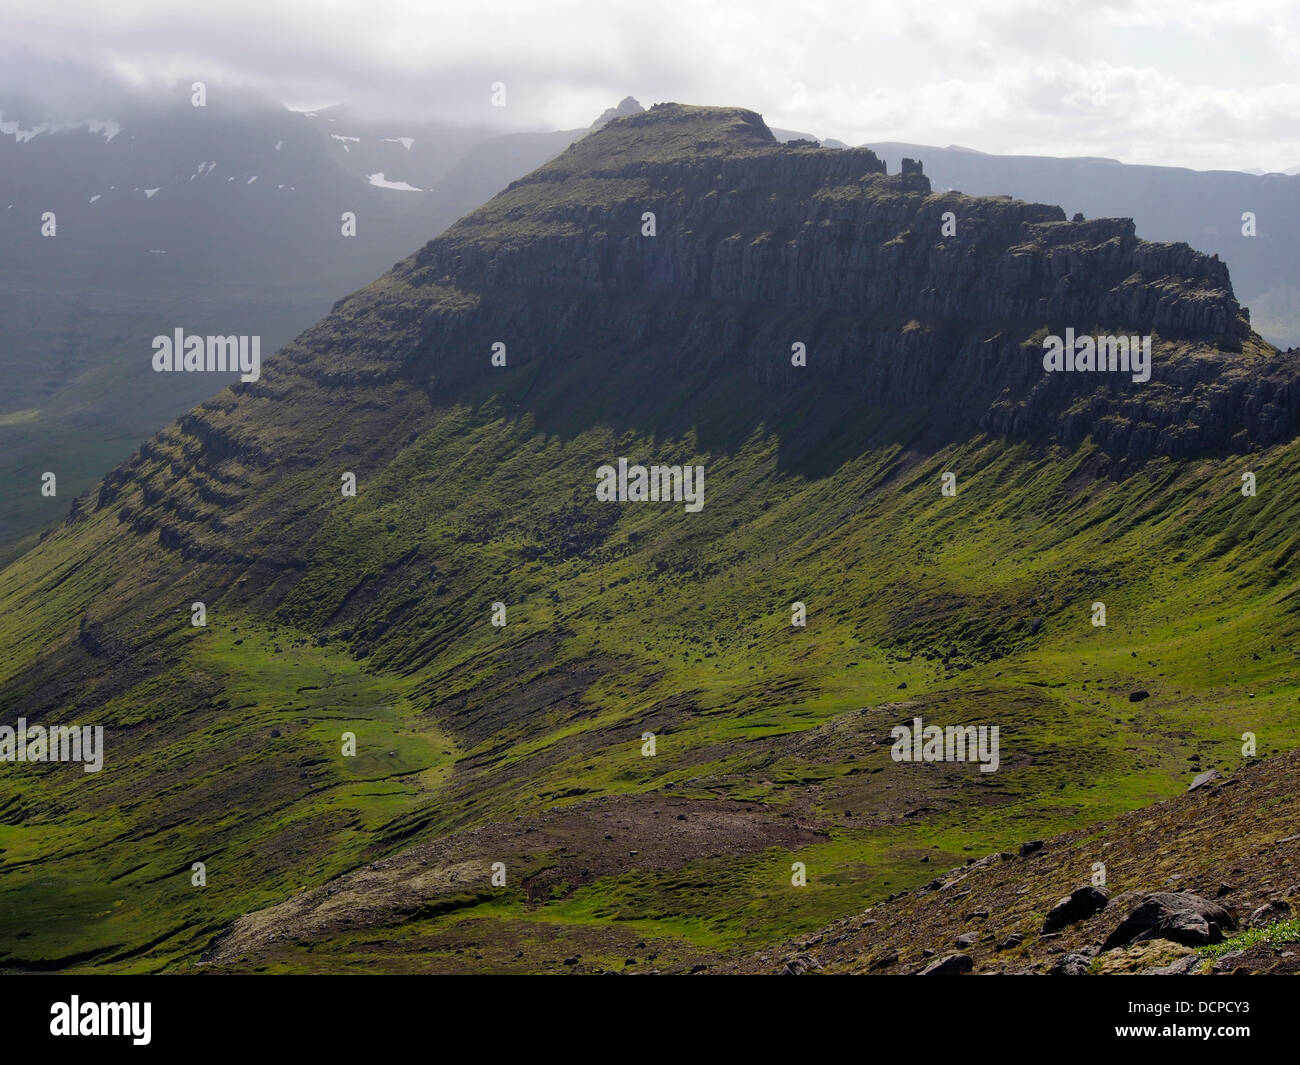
x,y
552,853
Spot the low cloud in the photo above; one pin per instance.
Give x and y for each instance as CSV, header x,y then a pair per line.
x,y
1177,83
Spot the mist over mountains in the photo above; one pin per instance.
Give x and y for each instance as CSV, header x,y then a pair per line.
x,y
226,218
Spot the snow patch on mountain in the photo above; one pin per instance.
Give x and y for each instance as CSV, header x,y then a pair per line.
x,y
13,129
104,126
379,181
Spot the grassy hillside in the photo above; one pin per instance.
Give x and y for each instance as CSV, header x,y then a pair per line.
x,y
522,744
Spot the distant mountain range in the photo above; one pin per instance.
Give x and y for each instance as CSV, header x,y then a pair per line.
x,y
222,219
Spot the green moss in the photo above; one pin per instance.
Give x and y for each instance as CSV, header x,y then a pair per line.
x,y
1273,937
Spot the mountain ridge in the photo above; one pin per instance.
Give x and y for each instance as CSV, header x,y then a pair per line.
x,y
370,615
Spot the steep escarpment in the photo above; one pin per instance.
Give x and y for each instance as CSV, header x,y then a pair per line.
x,y
498,641
940,302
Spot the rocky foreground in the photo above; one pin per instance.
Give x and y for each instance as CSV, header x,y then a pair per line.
x,y
1185,883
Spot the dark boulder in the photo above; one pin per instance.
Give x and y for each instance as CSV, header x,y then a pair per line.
x,y
799,964
949,965
1179,916
1076,906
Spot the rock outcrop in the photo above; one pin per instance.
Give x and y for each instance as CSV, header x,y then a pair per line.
x,y
1077,906
693,228
1179,916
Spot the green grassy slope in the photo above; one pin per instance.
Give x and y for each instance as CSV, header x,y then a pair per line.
x,y
373,615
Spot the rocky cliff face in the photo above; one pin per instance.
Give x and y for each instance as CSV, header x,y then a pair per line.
x,y
938,301
932,305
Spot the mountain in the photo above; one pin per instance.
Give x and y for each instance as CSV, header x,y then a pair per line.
x,y
1203,208
419,154
787,135
629,105
226,193
221,219
492,164
626,773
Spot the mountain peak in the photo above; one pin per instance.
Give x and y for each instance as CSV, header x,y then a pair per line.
x,y
629,105
669,131
949,327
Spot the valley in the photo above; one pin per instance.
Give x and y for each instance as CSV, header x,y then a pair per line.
x,y
522,744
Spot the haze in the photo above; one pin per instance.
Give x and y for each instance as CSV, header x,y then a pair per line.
x,y
1185,83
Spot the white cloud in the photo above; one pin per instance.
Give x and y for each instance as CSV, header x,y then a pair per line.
x,y
1187,82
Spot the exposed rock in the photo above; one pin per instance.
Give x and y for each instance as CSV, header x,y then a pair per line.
x,y
1179,916
627,106
1138,958
1202,779
1034,845
1182,967
1011,942
865,230
1227,963
1270,913
1072,965
967,939
800,964
949,965
1076,906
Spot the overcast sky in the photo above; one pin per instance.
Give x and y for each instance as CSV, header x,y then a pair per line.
x,y
1199,83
